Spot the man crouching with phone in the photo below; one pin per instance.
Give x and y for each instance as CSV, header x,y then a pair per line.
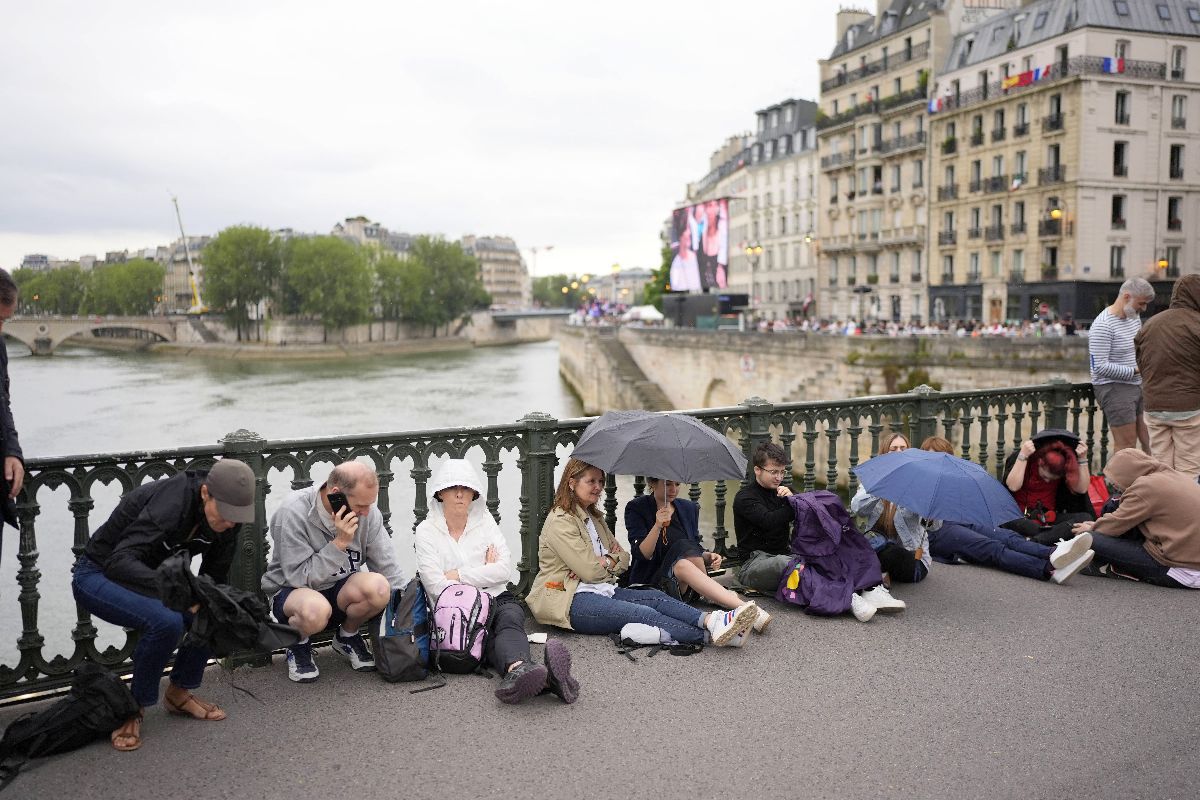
x,y
322,537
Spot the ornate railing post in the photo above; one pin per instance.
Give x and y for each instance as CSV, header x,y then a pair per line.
x,y
758,430
927,408
537,489
1060,403
250,560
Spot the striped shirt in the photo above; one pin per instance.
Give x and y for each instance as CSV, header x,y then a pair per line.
x,y
1110,349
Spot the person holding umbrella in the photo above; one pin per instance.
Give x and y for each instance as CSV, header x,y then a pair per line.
x,y
899,537
1003,549
1048,477
664,540
580,561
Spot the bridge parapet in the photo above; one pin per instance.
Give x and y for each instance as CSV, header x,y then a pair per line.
x,y
43,335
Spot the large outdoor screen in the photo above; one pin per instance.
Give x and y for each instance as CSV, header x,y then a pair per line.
x,y
700,242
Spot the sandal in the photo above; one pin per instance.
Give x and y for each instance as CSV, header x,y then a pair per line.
x,y
195,708
126,740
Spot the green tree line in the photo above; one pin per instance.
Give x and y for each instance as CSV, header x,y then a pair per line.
x,y
126,289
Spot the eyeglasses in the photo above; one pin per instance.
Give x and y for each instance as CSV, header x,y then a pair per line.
x,y
778,473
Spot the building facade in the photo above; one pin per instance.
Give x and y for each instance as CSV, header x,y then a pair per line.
x,y
1064,158
727,177
502,270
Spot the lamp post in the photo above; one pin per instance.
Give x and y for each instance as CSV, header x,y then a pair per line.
x,y
753,252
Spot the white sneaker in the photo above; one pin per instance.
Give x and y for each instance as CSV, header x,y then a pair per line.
x,y
883,601
1064,573
724,625
762,620
739,640
863,611
1069,551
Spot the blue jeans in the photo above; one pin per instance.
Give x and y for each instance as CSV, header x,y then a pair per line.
x,y
595,614
992,547
160,629
1128,554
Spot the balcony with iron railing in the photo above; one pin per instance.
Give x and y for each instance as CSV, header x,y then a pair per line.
x,y
950,146
947,238
1176,172
1049,272
1050,227
1120,170
837,160
1016,276
976,185
1055,174
996,183
895,101
974,233
1021,129
976,138
948,192
1052,123
914,53
974,276
1118,223
1178,123
1121,118
947,279
902,144
1017,228
1178,74
1174,224
993,233
998,135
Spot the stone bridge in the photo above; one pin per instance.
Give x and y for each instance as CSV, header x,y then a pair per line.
x,y
44,334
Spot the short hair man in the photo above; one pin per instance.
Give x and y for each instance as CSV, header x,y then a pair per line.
x,y
1116,379
762,520
1168,353
10,447
314,571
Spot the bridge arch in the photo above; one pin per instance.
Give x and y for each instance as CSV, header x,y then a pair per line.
x,y
43,335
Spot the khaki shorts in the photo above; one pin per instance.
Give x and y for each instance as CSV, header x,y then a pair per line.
x,y
1120,402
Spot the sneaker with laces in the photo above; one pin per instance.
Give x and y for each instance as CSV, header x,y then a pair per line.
x,y
761,621
1067,571
1069,551
354,648
863,611
724,625
301,666
883,601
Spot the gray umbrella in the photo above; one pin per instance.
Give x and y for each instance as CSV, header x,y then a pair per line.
x,y
670,446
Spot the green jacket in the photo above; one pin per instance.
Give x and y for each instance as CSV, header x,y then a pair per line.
x,y
566,558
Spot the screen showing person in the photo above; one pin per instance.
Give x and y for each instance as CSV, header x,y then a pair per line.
x,y
700,242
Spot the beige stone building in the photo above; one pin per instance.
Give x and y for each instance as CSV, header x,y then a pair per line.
x,y
1065,157
873,231
727,177
502,270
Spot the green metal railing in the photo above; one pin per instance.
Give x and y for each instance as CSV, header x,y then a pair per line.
x,y
826,439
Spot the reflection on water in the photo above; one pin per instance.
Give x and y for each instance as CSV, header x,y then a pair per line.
x,y
85,401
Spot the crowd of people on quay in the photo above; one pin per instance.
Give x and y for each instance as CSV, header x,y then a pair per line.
x,y
333,567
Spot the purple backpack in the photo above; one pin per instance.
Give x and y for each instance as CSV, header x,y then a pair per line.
x,y
459,633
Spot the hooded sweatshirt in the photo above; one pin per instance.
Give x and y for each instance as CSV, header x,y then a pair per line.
x,y
1168,350
1162,501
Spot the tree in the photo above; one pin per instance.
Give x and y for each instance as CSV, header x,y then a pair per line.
x,y
453,285
659,281
327,278
390,288
57,291
124,289
241,267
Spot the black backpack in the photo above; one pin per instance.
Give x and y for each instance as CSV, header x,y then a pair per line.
x,y
98,703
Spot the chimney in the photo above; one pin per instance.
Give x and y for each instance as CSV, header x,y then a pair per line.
x,y
847,17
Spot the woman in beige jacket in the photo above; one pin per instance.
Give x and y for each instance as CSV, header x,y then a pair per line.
x,y
579,561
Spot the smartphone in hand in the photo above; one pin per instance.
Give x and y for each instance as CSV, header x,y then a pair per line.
x,y
338,501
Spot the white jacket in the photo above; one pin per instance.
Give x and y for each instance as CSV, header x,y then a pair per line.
x,y
437,552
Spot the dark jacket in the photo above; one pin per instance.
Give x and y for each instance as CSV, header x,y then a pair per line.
x,y
152,523
8,440
1168,351
639,521
762,521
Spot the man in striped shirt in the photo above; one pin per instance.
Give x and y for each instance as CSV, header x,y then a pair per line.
x,y
1115,375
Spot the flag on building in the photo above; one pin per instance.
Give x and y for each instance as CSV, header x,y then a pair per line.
x,y
1114,65
1010,82
935,105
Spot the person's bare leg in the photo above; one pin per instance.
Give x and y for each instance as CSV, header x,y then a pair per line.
x,y
364,595
1125,436
697,578
307,611
1143,434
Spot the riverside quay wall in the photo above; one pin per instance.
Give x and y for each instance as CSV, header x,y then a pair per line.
x,y
620,368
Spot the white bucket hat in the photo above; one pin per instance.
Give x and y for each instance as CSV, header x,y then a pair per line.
x,y
456,472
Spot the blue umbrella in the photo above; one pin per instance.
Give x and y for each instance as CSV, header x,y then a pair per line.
x,y
939,486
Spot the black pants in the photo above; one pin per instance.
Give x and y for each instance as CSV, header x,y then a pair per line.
x,y
507,642
1128,555
1061,529
901,565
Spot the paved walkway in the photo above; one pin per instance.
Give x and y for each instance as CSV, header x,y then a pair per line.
x,y
989,686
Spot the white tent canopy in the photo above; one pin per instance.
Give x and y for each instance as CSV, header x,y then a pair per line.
x,y
643,314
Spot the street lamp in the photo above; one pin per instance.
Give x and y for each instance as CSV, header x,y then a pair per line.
x,y
753,252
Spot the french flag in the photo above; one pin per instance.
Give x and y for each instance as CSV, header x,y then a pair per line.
x,y
1114,65
935,105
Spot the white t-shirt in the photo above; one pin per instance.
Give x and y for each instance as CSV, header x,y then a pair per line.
x,y
605,589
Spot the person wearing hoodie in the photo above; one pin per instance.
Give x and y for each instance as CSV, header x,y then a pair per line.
x,y
1154,533
1168,350
460,543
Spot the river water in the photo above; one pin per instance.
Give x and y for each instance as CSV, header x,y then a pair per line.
x,y
89,401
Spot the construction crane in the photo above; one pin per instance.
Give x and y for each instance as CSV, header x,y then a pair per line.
x,y
198,306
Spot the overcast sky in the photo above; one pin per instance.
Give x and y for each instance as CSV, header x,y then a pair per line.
x,y
576,125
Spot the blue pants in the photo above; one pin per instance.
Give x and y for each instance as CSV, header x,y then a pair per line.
x,y
160,629
594,613
991,547
1128,555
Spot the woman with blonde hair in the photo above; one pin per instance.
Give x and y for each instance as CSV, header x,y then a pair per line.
x,y
1002,548
579,563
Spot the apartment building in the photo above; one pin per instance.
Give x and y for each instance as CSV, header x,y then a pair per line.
x,y
727,177
502,270
363,232
1064,157
872,134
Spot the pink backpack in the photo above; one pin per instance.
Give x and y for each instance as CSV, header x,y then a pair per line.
x,y
459,633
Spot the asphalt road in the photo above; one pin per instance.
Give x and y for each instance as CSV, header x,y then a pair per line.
x,y
989,686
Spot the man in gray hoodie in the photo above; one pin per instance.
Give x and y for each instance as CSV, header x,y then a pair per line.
x,y
321,537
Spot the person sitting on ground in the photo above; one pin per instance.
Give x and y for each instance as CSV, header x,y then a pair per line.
x,y
1050,482
579,563
314,576
460,543
198,512
899,537
1154,534
763,514
1002,548
664,542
